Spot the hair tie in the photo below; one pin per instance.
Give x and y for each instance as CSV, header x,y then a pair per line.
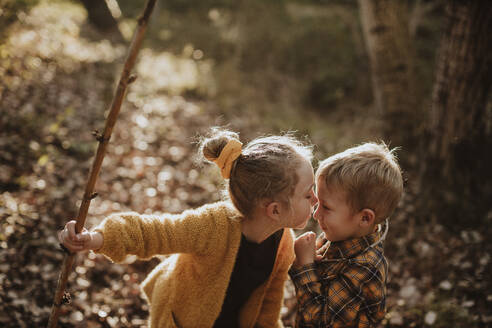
x,y
227,156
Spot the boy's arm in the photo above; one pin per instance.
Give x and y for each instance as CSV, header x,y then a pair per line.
x,y
310,301
356,293
146,236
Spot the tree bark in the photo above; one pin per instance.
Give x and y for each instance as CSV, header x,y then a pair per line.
x,y
459,145
387,36
463,80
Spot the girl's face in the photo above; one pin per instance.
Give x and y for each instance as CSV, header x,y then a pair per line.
x,y
334,214
303,199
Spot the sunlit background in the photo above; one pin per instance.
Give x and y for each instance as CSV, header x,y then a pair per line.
x,y
256,67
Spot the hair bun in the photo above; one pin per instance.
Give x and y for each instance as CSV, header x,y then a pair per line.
x,y
213,145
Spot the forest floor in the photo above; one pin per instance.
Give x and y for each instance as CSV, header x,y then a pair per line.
x,y
56,79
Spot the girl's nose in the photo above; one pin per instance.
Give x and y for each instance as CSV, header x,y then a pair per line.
x,y
315,213
314,199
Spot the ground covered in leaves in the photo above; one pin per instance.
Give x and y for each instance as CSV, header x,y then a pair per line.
x,y
57,76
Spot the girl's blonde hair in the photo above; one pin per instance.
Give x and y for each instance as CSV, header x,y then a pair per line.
x,y
369,175
266,168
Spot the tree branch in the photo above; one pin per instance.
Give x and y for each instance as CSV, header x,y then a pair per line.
x,y
103,139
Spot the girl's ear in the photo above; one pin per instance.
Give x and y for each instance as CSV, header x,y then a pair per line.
x,y
273,210
367,217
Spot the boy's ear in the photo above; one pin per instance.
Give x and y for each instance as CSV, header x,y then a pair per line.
x,y
367,217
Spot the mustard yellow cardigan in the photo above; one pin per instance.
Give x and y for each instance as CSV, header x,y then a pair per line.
x,y
188,288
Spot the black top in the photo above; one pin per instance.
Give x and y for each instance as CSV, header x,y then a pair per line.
x,y
253,266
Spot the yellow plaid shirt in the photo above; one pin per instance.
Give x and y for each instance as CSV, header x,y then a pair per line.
x,y
347,288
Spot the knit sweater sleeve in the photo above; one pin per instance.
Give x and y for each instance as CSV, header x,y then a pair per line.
x,y
192,231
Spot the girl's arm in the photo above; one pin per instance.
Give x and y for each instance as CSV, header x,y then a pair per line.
x,y
146,235
119,235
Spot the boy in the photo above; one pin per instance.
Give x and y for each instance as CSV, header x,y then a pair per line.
x,y
346,287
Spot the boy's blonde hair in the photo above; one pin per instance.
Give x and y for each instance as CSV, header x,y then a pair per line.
x,y
265,169
369,175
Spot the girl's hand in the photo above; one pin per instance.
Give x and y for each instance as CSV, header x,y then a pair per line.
x,y
83,241
304,247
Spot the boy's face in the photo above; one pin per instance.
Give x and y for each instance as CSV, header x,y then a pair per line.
x,y
334,214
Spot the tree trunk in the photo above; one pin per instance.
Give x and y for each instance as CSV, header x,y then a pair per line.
x,y
387,36
459,149
463,77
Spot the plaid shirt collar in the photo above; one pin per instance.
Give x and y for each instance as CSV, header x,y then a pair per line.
x,y
349,248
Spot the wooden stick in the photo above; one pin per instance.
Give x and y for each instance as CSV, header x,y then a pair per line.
x,y
103,139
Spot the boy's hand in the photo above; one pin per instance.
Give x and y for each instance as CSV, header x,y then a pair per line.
x,y
304,247
83,241
322,245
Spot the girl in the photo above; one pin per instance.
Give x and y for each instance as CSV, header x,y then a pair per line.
x,y
230,259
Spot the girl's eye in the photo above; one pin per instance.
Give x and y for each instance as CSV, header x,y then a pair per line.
x,y
308,197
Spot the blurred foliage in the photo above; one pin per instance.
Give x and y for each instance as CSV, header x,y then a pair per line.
x,y
10,10
314,47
